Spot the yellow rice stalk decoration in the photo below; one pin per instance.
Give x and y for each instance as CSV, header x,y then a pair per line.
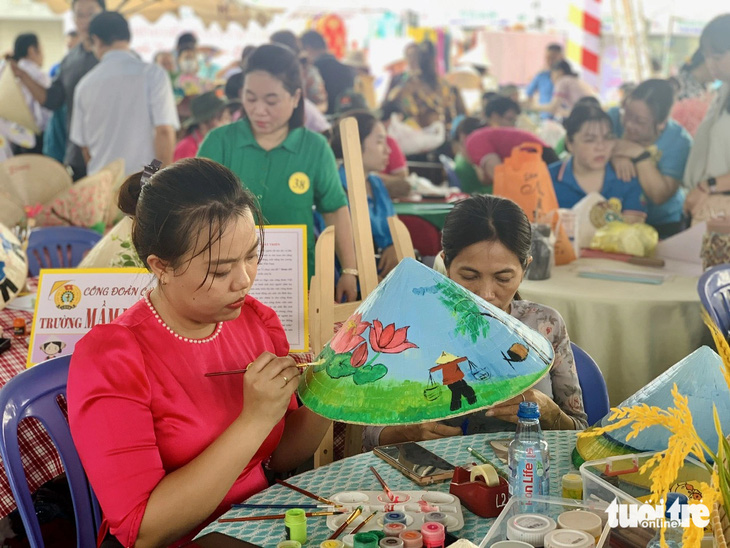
x,y
683,442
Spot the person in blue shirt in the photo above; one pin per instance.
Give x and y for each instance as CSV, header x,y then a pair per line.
x,y
590,140
375,154
542,83
653,148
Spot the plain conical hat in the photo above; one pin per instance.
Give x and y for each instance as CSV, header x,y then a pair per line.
x,y
376,369
12,102
30,179
13,266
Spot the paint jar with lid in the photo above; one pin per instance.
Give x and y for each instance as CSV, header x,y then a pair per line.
x,y
19,327
393,529
530,528
582,520
365,540
411,539
511,544
391,542
394,517
332,544
569,538
289,544
436,517
434,535
572,486
348,541
295,523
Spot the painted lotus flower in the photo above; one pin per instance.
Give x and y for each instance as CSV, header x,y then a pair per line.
x,y
349,335
359,356
389,339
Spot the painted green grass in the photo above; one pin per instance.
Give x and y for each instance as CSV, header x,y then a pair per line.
x,y
375,403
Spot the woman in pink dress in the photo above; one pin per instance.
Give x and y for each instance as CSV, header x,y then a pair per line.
x,y
166,448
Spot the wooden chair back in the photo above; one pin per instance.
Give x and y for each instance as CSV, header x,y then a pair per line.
x,y
324,313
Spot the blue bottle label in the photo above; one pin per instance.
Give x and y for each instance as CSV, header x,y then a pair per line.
x,y
529,474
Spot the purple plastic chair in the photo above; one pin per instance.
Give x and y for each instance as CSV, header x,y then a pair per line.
x,y
714,289
35,393
592,384
59,247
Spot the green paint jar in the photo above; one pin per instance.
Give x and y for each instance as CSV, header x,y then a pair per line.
x,y
295,523
366,540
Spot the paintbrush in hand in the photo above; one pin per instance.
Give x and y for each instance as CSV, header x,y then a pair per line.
x,y
300,366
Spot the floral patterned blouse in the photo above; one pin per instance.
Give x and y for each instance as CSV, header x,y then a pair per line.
x,y
424,105
561,385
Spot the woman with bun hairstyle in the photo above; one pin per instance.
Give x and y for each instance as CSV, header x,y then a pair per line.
x,y
166,448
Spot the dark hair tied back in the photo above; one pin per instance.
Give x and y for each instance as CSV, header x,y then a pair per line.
x,y
190,201
486,218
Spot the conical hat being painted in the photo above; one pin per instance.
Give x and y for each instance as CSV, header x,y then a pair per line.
x,y
388,364
13,266
699,378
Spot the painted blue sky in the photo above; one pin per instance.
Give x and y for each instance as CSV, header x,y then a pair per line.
x,y
432,328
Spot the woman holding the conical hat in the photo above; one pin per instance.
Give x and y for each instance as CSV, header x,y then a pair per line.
x,y
486,249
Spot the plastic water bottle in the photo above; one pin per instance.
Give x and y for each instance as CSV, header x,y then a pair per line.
x,y
529,456
672,534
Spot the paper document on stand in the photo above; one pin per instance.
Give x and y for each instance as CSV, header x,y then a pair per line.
x,y
281,282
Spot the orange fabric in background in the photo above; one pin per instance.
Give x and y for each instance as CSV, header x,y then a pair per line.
x,y
524,178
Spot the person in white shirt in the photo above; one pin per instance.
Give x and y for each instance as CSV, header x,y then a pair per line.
x,y
27,53
124,107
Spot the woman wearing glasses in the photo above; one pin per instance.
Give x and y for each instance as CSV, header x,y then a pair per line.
x,y
653,148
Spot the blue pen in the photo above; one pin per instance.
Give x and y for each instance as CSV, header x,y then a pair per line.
x,y
465,426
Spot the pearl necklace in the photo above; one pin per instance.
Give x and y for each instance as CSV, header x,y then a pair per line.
x,y
219,325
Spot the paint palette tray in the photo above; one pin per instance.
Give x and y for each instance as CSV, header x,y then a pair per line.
x,y
411,503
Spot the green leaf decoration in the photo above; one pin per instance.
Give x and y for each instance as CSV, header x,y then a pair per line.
x,y
369,373
469,320
340,366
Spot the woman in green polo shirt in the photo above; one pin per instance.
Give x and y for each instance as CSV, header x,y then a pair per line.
x,y
288,168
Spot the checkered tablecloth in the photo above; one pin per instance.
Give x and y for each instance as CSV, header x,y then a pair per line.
x,y
40,459
353,474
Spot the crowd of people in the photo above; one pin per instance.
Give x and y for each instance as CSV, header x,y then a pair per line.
x,y
258,142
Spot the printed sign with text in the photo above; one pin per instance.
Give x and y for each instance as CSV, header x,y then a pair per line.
x,y
71,301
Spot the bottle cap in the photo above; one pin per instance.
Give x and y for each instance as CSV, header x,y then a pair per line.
x,y
433,533
289,544
573,482
332,544
530,528
391,542
581,520
365,540
295,516
411,539
393,529
528,410
569,538
671,499
394,517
